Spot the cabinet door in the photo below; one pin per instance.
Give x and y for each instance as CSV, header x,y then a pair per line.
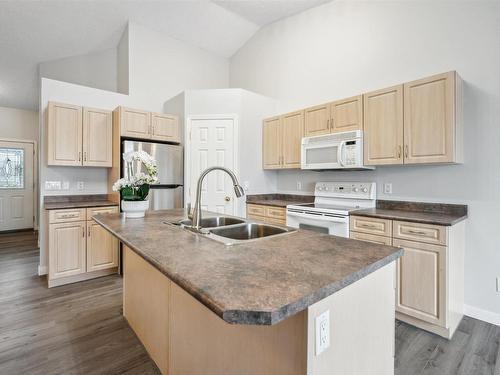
x,y
135,123
421,278
292,132
165,127
429,119
97,137
317,120
383,126
271,143
347,114
64,134
66,249
102,248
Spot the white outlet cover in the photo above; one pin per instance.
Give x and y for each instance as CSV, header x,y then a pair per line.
x,y
299,185
388,188
322,332
80,185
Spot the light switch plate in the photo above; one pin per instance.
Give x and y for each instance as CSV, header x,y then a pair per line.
x,y
322,332
80,185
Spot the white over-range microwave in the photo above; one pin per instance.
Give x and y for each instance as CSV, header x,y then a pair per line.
x,y
333,151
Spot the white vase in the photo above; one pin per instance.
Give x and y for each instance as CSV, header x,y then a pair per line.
x,y
135,209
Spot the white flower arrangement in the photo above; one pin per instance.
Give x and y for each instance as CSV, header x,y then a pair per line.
x,y
135,187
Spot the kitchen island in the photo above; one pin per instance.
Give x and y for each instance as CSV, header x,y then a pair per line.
x,y
200,307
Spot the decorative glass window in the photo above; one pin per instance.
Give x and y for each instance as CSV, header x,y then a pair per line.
x,y
11,168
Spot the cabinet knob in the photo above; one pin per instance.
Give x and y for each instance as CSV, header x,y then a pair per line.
x,y
227,199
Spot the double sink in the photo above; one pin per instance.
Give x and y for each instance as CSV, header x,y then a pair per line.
x,y
231,230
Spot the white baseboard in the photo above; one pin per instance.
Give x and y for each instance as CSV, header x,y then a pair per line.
x,y
42,270
484,315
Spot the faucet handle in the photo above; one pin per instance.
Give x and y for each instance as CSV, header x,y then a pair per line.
x,y
190,215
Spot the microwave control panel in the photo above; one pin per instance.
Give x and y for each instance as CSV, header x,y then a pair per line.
x,y
352,153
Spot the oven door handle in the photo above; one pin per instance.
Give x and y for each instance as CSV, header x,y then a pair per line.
x,y
335,219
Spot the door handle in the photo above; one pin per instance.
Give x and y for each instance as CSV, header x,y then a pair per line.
x,y
227,198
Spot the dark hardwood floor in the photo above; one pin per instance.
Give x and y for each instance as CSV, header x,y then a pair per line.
x,y
79,328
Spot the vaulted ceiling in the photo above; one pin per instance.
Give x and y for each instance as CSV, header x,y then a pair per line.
x,y
36,31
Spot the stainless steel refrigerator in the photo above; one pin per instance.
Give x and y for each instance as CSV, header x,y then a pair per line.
x,y
169,192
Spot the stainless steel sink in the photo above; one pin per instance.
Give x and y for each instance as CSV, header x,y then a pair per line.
x,y
245,232
212,222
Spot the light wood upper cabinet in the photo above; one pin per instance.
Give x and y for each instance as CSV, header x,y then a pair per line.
x,y
292,133
102,248
79,136
383,126
66,249
347,114
64,134
134,123
317,120
97,137
430,119
272,143
165,127
421,280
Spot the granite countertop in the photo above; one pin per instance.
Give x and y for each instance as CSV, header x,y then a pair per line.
x,y
58,202
417,212
261,282
279,200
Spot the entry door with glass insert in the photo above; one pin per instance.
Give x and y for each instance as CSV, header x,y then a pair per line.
x,y
16,185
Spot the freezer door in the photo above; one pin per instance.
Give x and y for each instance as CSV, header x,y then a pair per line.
x,y
161,198
168,157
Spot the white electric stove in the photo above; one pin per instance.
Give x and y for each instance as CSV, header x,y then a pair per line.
x,y
332,204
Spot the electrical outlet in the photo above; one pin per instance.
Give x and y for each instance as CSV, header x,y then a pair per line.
x,y
52,185
80,185
65,185
322,332
388,188
246,185
299,185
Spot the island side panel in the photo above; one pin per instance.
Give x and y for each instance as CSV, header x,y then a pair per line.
x,y
146,295
362,328
182,336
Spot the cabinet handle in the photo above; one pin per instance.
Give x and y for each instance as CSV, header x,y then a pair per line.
x,y
416,232
400,151
328,124
331,123
367,226
89,232
406,151
83,232
85,156
80,156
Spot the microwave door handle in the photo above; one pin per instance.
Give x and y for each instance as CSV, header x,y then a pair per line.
x,y
318,217
339,153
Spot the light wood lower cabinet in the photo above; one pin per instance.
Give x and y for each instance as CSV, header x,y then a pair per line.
x,y
268,214
79,249
430,274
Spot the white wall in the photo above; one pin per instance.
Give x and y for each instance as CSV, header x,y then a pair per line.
x,y
18,124
122,52
96,69
162,67
250,109
345,48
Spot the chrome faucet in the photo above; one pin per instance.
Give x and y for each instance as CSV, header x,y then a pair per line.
x,y
196,215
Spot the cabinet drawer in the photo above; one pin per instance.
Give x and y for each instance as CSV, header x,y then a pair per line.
x,y
428,233
253,209
371,225
371,238
276,213
101,210
280,222
66,215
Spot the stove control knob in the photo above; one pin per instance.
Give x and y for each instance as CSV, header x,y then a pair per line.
x,y
326,188
320,188
364,190
355,190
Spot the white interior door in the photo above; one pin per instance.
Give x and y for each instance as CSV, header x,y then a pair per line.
x,y
16,185
212,144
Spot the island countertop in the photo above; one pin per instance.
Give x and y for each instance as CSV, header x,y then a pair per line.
x,y
260,282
